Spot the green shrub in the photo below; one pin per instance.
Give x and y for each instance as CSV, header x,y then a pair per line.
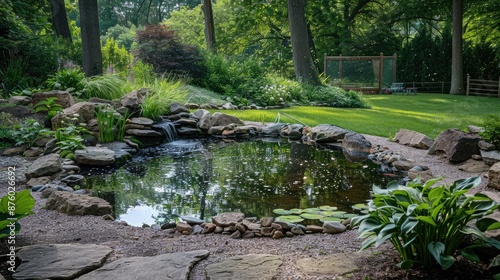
x,y
491,131
334,97
157,101
143,73
427,224
15,205
72,80
13,77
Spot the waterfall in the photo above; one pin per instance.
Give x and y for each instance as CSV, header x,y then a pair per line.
x,y
168,129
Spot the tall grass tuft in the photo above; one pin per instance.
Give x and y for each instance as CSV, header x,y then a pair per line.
x,y
13,77
163,93
107,87
111,124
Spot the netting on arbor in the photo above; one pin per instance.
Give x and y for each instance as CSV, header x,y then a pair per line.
x,y
361,73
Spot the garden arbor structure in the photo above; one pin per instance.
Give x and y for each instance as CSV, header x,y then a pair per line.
x,y
367,74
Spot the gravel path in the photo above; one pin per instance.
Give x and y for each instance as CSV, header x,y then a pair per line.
x,y
53,227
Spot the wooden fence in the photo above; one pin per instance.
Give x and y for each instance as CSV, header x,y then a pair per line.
x,y
434,87
483,87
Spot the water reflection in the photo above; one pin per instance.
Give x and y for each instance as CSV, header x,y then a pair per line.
x,y
200,179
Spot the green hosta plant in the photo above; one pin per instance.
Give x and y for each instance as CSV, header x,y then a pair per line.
x,y
427,224
13,207
50,106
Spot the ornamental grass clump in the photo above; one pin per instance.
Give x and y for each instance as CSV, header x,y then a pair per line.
x,y
111,124
428,224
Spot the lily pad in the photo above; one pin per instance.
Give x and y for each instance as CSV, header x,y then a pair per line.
x,y
328,208
281,212
296,211
359,206
347,216
330,219
327,213
310,216
290,219
338,214
311,210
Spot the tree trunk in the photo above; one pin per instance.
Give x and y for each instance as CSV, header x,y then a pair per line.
x,y
60,19
209,25
305,69
91,43
457,76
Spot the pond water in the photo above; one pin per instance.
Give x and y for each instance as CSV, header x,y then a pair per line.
x,y
203,178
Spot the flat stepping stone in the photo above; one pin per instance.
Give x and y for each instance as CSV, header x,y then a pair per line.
x,y
253,266
336,264
59,261
167,266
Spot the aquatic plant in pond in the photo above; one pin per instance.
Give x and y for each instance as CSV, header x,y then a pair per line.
x,y
203,179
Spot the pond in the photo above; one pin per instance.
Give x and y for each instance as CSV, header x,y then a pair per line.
x,y
202,178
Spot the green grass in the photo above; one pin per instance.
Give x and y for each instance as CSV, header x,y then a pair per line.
x,y
426,113
200,96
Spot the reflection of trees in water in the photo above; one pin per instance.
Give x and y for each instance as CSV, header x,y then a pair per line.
x,y
252,177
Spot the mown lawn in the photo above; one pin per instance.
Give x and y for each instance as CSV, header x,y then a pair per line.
x,y
427,113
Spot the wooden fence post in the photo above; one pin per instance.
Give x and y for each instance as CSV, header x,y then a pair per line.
x,y
468,84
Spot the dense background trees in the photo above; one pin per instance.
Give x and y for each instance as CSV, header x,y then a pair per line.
x,y
420,32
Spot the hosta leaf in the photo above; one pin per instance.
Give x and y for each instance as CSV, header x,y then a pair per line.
x,y
469,253
426,219
386,233
495,261
487,224
392,186
436,249
370,224
405,264
368,242
410,209
408,225
465,184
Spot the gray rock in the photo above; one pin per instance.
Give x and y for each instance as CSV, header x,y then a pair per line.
x,y
220,119
297,231
44,166
197,229
335,264
418,172
184,227
327,133
272,130
474,166
355,146
83,111
141,121
165,266
475,129
483,145
133,100
168,225
228,219
209,228
413,139
95,156
73,180
144,133
70,167
494,176
248,234
13,151
75,204
266,221
404,164
63,98
33,152
455,145
490,157
189,131
20,100
186,122
38,181
203,117
192,220
236,235
122,150
177,108
215,130
192,106
248,267
59,261
229,106
333,227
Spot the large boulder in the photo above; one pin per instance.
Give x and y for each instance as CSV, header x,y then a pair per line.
x,y
490,157
83,111
327,133
455,145
413,139
355,146
44,166
177,108
249,267
220,119
95,156
494,176
228,219
20,100
64,98
203,117
133,100
78,204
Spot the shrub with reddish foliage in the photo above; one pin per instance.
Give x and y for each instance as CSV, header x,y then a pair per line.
x,y
160,46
